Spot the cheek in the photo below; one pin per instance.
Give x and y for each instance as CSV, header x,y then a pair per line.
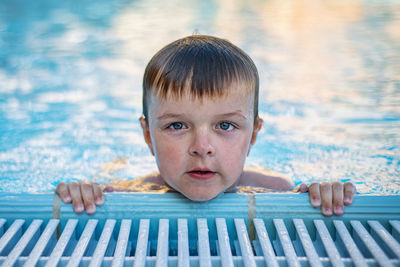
x,y
168,154
235,151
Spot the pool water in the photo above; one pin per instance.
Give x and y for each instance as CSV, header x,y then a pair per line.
x,y
70,86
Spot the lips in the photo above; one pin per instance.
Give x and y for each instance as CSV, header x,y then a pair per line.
x,y
201,174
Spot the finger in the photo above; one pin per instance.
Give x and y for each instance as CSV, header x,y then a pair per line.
x,y
315,196
349,191
98,194
76,196
303,188
326,198
62,191
88,198
108,188
337,196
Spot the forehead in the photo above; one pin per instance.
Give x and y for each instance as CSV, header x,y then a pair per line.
x,y
235,97
188,90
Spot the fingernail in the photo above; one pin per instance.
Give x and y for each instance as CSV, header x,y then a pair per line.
x,y
339,210
327,212
67,199
99,201
347,200
303,188
109,188
316,201
90,209
79,208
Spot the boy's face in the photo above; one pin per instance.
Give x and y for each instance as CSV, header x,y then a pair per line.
x,y
201,145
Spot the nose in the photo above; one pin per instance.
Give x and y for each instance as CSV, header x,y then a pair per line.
x,y
201,144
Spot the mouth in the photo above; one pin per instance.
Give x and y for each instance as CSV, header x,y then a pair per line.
x,y
201,174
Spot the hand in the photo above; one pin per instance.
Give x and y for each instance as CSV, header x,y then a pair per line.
x,y
84,196
332,196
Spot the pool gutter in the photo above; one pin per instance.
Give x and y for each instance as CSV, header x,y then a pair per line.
x,y
167,229
172,205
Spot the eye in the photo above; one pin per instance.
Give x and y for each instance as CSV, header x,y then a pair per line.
x,y
176,126
226,126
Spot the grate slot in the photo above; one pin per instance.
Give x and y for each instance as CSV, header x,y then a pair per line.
x,y
2,223
122,243
11,236
203,244
223,243
162,243
308,246
370,243
183,243
42,243
102,244
22,243
395,229
266,246
355,254
82,245
384,236
286,243
245,245
329,245
62,243
141,247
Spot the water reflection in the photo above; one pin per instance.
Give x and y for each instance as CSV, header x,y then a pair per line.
x,y
70,85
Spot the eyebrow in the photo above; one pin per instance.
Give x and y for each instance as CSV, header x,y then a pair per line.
x,y
235,113
169,116
175,115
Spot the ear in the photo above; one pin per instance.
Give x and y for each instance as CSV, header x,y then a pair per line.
x,y
257,127
146,133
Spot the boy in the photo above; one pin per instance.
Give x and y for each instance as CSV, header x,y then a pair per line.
x,y
200,120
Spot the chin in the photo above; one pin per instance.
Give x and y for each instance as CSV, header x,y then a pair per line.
x,y
200,197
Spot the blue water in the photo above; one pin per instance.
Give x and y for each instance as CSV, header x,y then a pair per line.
x,y
70,86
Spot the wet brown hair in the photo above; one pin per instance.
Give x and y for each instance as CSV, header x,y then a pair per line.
x,y
202,66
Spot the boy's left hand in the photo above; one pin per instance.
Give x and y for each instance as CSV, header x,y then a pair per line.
x,y
331,196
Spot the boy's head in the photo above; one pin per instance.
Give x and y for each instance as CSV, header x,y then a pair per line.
x,y
200,107
201,66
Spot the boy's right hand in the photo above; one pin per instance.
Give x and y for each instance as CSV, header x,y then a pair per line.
x,y
84,196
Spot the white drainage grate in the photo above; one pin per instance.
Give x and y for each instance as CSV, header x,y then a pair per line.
x,y
198,242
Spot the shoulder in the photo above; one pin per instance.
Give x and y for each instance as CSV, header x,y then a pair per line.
x,y
266,179
149,183
153,178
